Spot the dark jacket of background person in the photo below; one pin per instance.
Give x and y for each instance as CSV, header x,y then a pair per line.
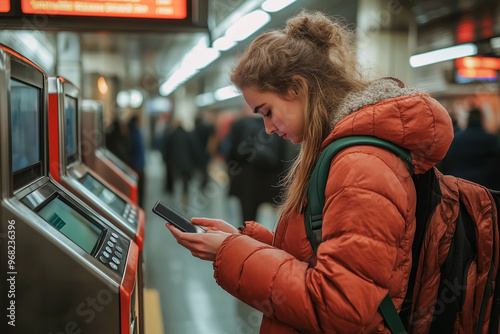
x,y
181,155
118,141
137,156
254,164
474,154
203,133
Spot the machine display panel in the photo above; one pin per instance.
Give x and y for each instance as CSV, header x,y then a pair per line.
x,y
71,223
25,125
71,133
118,163
106,195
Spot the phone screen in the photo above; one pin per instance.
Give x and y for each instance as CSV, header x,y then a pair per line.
x,y
176,219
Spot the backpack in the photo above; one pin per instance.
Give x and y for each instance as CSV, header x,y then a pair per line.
x,y
465,248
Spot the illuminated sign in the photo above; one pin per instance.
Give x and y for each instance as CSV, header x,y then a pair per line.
x,y
4,6
478,62
477,68
151,9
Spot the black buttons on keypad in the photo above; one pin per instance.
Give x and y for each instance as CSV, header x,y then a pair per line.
x,y
112,252
130,214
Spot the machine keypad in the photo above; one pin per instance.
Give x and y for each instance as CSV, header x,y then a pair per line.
x,y
130,214
111,252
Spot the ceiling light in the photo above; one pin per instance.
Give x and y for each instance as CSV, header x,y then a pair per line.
x,y
495,42
205,99
276,5
136,98
176,79
102,85
247,25
223,43
226,93
200,58
436,56
123,99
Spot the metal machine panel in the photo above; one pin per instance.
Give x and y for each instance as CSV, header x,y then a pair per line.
x,y
67,268
82,181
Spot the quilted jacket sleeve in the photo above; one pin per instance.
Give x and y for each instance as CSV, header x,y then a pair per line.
x,y
369,200
258,232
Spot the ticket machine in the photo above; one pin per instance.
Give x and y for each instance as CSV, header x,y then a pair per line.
x,y
67,168
64,268
98,157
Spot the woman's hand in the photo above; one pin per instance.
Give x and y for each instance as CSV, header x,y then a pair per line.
x,y
204,245
215,225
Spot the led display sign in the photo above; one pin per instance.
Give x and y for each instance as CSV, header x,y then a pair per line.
x,y
477,68
4,6
152,9
105,15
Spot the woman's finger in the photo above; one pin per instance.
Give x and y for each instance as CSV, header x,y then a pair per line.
x,y
208,222
215,224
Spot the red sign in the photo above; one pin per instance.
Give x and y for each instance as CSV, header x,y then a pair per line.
x,y
154,9
478,63
4,6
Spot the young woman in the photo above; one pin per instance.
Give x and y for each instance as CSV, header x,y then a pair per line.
x,y
305,83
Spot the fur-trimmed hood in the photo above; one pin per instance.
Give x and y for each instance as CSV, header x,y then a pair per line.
x,y
406,116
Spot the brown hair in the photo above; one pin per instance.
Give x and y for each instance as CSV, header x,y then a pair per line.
x,y
314,56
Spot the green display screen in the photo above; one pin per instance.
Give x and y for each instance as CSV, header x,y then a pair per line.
x,y
104,193
71,223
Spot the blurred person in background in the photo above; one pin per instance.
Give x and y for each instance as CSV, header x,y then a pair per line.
x,y
118,140
182,154
204,131
254,163
474,154
137,155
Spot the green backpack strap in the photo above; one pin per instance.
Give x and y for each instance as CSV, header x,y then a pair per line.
x,y
391,316
316,201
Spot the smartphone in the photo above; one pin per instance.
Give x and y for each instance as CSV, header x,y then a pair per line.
x,y
176,219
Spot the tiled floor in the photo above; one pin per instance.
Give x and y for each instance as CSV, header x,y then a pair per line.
x,y
191,301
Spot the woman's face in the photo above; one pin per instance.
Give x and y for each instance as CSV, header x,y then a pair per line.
x,y
283,116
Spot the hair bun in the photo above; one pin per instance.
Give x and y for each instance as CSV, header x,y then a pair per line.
x,y
315,27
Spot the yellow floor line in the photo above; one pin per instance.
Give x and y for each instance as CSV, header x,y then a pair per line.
x,y
153,321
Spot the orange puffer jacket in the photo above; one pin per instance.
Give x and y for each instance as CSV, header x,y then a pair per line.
x,y
368,224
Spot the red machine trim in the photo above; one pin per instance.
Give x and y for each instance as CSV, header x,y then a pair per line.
x,y
127,287
20,56
141,223
133,193
54,137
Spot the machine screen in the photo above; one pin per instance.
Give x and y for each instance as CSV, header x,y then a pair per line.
x,y
71,223
104,193
118,163
25,118
70,118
